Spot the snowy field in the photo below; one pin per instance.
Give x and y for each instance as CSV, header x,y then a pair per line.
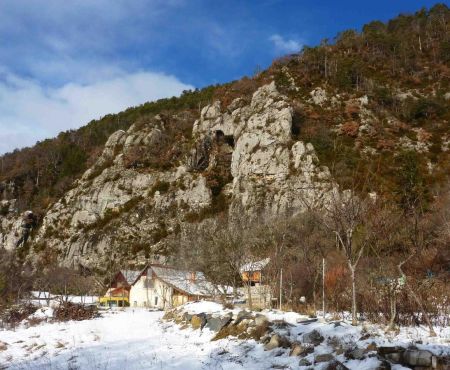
x,y
139,339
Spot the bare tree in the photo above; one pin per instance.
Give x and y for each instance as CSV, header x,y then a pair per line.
x,y
345,216
419,237
218,252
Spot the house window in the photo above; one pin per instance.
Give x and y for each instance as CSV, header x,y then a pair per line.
x,y
156,301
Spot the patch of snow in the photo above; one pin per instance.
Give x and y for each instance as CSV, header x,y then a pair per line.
x,y
42,313
254,266
203,306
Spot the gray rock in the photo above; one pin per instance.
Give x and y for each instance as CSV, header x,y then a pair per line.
x,y
198,321
242,315
384,350
313,337
217,323
260,319
304,362
417,358
355,354
324,357
298,349
265,338
383,365
396,357
277,341
392,353
187,317
335,365
280,325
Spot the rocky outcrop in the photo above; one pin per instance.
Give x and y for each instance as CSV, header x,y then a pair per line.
x,y
10,224
271,173
15,228
122,206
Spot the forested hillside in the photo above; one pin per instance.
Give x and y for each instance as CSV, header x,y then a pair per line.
x,y
402,66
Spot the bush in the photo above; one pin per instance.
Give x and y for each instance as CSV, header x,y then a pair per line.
x,y
423,108
4,209
161,186
17,313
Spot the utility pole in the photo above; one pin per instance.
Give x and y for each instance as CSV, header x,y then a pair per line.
x,y
281,285
323,287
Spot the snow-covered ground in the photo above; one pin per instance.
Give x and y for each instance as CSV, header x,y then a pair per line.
x,y
139,339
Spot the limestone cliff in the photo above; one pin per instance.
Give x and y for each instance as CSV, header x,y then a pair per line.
x,y
117,209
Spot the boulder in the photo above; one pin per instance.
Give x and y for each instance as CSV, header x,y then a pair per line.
x,y
383,365
301,350
217,323
249,322
335,365
198,321
355,354
265,338
298,349
396,357
304,362
277,341
323,357
417,358
392,353
384,350
169,315
242,315
281,324
3,346
313,337
260,320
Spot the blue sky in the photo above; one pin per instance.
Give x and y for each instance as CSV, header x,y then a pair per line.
x,y
63,63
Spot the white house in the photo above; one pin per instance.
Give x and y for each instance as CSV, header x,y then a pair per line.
x,y
162,287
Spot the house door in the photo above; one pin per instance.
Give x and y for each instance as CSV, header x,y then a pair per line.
x,y
156,301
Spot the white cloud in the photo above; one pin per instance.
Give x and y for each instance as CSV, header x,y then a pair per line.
x,y
29,111
285,46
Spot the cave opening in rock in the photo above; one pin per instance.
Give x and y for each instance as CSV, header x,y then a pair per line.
x,y
297,121
222,138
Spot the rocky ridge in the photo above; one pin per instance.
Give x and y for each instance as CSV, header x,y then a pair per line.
x,y
119,207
